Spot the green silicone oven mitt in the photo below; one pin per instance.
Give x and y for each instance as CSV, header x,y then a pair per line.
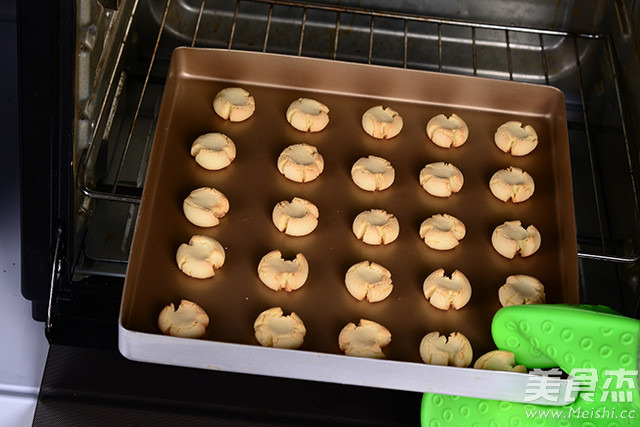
x,y
594,344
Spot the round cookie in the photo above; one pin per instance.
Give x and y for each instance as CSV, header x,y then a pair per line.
x,y
234,104
296,218
277,273
512,184
442,231
447,132
499,360
443,292
515,138
376,227
441,179
365,340
300,163
308,115
436,349
511,238
273,329
521,289
213,151
201,257
373,173
382,123
368,280
205,206
189,320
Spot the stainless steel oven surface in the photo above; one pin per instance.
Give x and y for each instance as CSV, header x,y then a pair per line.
x,y
90,102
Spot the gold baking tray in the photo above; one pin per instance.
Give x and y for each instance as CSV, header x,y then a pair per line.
x,y
253,185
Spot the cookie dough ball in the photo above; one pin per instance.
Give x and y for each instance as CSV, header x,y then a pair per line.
x,y
441,179
511,238
300,163
189,320
447,132
368,280
308,115
376,227
298,217
442,231
435,349
521,289
373,173
213,151
234,104
512,184
274,329
515,138
277,273
499,360
382,123
365,340
444,292
205,206
201,257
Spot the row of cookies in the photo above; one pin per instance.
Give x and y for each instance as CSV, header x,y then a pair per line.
x,y
272,328
309,115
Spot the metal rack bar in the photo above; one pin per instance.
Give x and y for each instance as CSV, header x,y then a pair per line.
x,y
266,32
474,51
370,40
543,54
439,47
509,59
233,25
195,32
302,28
335,38
144,88
405,40
407,18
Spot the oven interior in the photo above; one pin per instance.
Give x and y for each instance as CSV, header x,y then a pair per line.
x,y
585,49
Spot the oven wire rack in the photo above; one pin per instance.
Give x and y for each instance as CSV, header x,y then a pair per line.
x,y
117,192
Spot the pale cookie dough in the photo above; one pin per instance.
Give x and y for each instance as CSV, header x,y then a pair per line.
x,y
213,151
308,115
373,173
441,179
512,184
205,206
277,273
368,280
444,292
499,360
435,349
296,218
365,340
382,123
189,320
273,329
515,138
300,163
234,104
442,231
447,132
376,227
511,238
201,257
521,289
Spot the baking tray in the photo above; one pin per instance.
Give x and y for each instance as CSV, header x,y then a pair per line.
x,y
253,185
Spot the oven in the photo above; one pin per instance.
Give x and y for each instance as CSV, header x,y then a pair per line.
x,y
92,80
